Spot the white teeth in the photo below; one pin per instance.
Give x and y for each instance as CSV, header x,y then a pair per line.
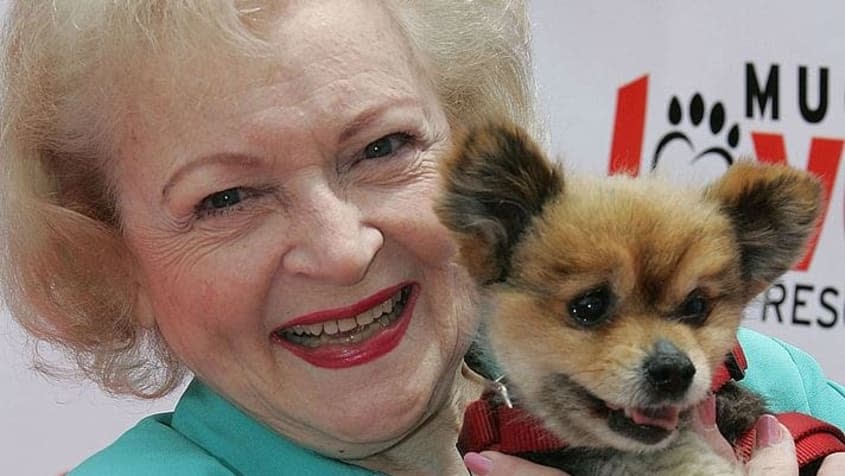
x,y
346,324
364,318
330,327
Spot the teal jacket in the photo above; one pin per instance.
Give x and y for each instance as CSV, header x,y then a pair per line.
x,y
208,436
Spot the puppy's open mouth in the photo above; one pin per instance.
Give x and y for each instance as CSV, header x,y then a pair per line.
x,y
648,425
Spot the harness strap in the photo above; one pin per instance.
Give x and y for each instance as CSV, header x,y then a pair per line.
x,y
488,426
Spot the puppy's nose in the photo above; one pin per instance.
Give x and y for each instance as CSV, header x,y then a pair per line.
x,y
668,370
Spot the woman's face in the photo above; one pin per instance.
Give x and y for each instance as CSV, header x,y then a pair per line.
x,y
281,218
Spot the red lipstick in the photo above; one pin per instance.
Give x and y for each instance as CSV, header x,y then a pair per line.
x,y
349,354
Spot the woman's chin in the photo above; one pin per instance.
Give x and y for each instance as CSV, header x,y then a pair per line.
x,y
379,423
382,422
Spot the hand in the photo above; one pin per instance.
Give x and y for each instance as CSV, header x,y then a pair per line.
x,y
778,458
492,463
774,453
833,465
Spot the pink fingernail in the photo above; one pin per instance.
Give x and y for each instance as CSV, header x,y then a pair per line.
x,y
477,464
707,411
768,431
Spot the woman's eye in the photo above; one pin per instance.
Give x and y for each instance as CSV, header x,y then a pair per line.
x,y
385,146
224,199
219,201
593,307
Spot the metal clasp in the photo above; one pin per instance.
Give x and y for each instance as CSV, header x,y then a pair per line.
x,y
502,391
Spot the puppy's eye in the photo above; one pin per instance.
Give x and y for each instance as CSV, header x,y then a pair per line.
x,y
593,307
695,308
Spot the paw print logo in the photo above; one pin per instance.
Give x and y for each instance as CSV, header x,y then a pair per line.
x,y
699,125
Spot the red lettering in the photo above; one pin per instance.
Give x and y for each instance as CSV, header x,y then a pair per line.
x,y
629,127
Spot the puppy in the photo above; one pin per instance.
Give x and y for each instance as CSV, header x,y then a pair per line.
x,y
612,300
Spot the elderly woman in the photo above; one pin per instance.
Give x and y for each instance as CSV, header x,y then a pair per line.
x,y
242,189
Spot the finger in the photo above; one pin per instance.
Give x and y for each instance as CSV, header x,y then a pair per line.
x,y
492,463
834,465
704,423
775,450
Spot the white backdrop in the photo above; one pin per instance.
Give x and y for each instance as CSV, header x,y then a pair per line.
x,y
592,58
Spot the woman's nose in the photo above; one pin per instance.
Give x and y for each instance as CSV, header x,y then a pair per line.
x,y
332,242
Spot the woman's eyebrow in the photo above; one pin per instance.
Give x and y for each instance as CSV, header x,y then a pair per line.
x,y
222,158
368,116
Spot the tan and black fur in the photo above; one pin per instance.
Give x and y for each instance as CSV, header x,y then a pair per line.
x,y
615,294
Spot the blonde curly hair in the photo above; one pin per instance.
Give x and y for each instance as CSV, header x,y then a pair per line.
x,y
65,271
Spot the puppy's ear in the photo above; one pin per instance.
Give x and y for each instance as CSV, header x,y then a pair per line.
x,y
773,210
495,181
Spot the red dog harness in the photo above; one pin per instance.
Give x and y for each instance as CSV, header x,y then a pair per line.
x,y
489,425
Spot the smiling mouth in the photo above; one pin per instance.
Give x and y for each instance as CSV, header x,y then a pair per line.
x,y
351,330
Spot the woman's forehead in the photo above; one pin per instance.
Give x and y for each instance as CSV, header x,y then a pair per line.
x,y
321,58
327,71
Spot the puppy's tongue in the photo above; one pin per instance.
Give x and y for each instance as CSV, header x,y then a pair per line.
x,y
663,417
